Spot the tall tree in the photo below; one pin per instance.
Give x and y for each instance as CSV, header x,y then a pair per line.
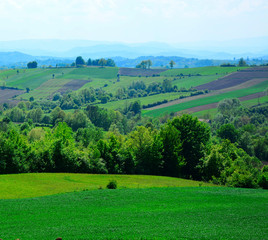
x,y
79,61
194,137
172,63
102,62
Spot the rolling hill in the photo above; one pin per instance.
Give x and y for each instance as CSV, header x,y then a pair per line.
x,y
219,82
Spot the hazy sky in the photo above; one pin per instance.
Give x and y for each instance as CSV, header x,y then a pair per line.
x,y
133,20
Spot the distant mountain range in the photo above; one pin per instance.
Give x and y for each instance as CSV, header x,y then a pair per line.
x,y
251,47
20,60
52,52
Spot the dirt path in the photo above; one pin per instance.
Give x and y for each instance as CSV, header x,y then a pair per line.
x,y
247,84
214,105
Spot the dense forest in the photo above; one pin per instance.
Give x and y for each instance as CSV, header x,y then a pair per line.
x,y
229,150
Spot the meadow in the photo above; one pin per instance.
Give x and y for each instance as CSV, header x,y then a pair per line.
x,y
149,213
42,184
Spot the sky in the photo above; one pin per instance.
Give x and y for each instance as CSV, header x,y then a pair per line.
x,y
133,21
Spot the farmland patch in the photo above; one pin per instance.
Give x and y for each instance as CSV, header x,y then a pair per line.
x,y
154,213
6,94
72,85
140,72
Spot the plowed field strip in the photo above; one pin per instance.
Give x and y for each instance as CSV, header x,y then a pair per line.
x,y
6,94
240,86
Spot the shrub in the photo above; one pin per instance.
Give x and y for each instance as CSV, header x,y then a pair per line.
x,y
112,184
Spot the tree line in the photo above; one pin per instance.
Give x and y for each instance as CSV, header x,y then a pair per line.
x,y
79,61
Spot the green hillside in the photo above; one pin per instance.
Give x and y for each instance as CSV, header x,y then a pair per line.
x,y
44,83
42,184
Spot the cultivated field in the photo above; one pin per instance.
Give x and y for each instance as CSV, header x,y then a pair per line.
x,y
237,85
152,213
204,100
7,94
44,83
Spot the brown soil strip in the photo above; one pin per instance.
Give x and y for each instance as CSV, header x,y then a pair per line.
x,y
247,84
214,105
73,85
7,94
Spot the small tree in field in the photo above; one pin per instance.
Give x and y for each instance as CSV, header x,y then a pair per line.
x,y
242,62
171,64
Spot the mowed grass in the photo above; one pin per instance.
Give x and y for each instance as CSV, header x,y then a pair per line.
x,y
152,213
41,184
212,70
207,100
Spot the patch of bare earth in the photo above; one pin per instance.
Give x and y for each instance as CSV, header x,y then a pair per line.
x,y
73,85
134,72
6,95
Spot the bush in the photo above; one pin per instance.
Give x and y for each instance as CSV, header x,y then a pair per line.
x,y
112,184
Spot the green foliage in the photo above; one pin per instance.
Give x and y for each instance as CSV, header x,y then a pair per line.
x,y
79,61
145,64
32,64
112,184
14,153
242,63
228,165
172,147
194,138
228,131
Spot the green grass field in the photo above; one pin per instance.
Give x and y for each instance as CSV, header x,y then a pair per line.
x,y
201,70
152,213
33,78
91,72
143,100
206,100
41,184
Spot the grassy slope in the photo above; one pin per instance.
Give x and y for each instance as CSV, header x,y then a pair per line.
x,y
201,70
33,78
143,100
206,100
154,213
41,184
